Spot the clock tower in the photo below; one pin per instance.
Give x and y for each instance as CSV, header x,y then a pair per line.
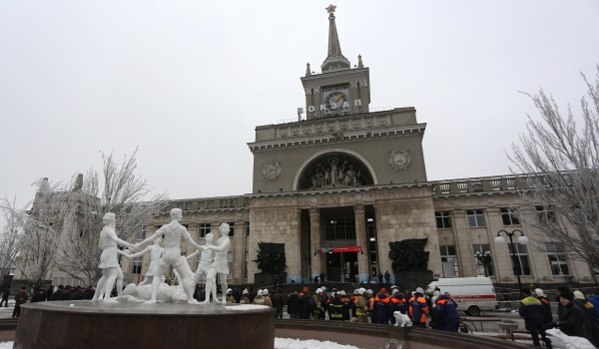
x,y
340,89
337,188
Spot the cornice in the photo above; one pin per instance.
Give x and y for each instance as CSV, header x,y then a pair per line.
x,y
332,133
351,190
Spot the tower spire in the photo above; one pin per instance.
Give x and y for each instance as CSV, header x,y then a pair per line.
x,y
335,59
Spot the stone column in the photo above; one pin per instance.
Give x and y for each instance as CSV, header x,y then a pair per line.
x,y
237,271
315,256
361,240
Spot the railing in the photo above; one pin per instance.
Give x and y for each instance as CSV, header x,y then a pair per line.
x,y
370,336
480,185
225,202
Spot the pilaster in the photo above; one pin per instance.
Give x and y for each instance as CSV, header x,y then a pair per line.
x,y
361,240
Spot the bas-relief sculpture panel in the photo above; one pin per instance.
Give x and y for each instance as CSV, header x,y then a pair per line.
x,y
334,170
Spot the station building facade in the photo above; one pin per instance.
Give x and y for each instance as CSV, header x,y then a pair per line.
x,y
339,185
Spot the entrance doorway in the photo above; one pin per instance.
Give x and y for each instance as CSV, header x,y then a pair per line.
x,y
342,267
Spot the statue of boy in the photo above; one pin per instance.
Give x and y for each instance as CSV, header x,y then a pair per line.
x,y
172,234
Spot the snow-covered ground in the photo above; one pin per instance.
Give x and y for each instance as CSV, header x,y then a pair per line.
x,y
280,343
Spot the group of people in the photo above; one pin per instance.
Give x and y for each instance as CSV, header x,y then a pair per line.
x,y
363,305
213,260
61,293
576,315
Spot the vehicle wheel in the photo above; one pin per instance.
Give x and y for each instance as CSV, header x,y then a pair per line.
x,y
473,311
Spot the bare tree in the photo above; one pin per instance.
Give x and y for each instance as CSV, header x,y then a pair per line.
x,y
38,236
119,190
562,158
10,239
61,230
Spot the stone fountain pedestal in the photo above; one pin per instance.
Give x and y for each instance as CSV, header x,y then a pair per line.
x,y
87,324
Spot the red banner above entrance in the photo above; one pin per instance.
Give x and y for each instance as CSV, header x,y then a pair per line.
x,y
340,249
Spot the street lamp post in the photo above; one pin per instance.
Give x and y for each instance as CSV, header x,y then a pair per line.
x,y
522,240
484,259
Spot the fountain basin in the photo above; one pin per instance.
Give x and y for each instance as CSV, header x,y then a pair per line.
x,y
87,324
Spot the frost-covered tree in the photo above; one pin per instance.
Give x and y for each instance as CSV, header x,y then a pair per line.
x,y
38,236
117,189
61,231
560,151
10,239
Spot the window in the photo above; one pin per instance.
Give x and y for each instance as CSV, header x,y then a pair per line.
x,y
545,214
443,220
372,245
204,229
247,228
141,234
232,227
136,262
557,258
340,229
519,259
476,218
449,261
483,261
509,216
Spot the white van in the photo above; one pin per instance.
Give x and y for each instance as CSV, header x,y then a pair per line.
x,y
471,294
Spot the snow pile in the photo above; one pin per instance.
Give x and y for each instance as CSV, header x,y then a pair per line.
x,y
289,343
562,340
244,307
280,343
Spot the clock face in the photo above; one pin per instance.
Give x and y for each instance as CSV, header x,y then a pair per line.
x,y
336,101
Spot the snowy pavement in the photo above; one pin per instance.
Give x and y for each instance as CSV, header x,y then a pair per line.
x,y
280,343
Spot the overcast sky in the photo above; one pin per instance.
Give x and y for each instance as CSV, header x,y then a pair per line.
x,y
187,81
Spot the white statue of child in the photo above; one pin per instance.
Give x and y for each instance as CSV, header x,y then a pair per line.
x,y
204,267
155,251
220,265
111,270
206,259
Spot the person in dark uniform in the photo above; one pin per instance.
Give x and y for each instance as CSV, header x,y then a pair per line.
x,y
20,298
571,319
532,311
5,294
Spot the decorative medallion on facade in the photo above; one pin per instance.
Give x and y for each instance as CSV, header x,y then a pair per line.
x,y
399,159
271,170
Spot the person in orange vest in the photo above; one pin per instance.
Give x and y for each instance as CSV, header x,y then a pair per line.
x,y
398,303
381,310
418,308
370,299
444,315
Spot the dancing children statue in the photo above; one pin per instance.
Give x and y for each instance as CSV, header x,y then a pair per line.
x,y
111,270
155,251
173,233
220,265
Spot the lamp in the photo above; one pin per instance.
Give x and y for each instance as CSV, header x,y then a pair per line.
x,y
522,240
